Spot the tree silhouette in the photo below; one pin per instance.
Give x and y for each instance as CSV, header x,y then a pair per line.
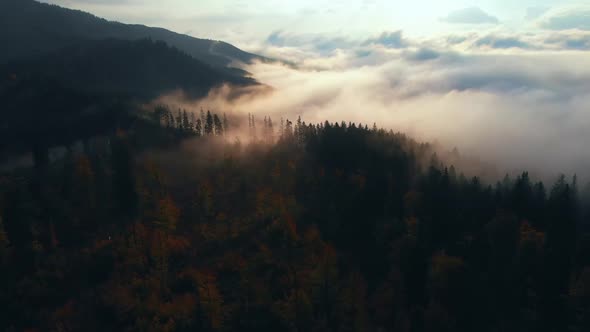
x,y
209,124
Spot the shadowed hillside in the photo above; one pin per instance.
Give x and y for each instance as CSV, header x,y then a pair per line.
x,y
29,28
72,93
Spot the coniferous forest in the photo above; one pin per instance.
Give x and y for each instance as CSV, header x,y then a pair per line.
x,y
175,224
124,209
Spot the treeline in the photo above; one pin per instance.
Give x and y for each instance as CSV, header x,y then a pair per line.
x,y
335,227
201,124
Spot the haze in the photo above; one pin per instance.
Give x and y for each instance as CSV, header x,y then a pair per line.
x,y
505,80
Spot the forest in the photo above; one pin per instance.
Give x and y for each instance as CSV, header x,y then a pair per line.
x,y
202,221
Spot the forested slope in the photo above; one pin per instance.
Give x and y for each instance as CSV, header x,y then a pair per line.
x,y
299,227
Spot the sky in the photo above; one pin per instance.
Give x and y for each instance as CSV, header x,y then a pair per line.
x,y
505,80
242,22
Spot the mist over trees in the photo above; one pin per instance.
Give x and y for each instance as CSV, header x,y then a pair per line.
x,y
296,227
163,218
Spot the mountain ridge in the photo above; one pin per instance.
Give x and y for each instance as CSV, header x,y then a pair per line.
x,y
32,28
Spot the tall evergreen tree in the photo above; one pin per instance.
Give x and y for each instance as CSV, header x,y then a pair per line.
x,y
186,125
199,128
270,137
179,123
209,124
217,125
193,121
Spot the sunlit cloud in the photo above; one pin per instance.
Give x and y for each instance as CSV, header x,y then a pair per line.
x,y
471,15
506,80
519,100
566,18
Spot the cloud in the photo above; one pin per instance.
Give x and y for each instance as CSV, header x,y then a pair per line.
x,y
320,43
500,42
519,101
558,41
423,54
472,15
535,12
388,39
565,19
326,44
572,41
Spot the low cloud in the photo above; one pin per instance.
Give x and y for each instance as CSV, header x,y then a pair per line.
x,y
572,41
423,54
472,15
500,42
557,41
566,19
518,101
388,39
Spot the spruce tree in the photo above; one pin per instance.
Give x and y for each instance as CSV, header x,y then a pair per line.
x,y
185,123
199,128
209,124
218,125
179,120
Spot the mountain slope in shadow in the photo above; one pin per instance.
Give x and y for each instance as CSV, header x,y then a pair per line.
x,y
29,28
92,87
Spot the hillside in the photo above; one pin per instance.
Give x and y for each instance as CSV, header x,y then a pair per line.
x,y
79,90
30,29
328,227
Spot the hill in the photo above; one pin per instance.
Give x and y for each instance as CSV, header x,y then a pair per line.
x,y
91,87
30,29
335,227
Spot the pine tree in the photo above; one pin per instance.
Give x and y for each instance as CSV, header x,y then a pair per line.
x,y
270,131
209,124
289,129
160,115
199,128
186,126
193,122
218,125
169,119
299,130
179,120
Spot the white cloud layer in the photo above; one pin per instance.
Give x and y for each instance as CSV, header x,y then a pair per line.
x,y
510,84
519,101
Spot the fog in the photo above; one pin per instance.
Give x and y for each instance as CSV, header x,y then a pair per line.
x,y
521,108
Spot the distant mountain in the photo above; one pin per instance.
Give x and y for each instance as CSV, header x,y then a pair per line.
x,y
29,29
